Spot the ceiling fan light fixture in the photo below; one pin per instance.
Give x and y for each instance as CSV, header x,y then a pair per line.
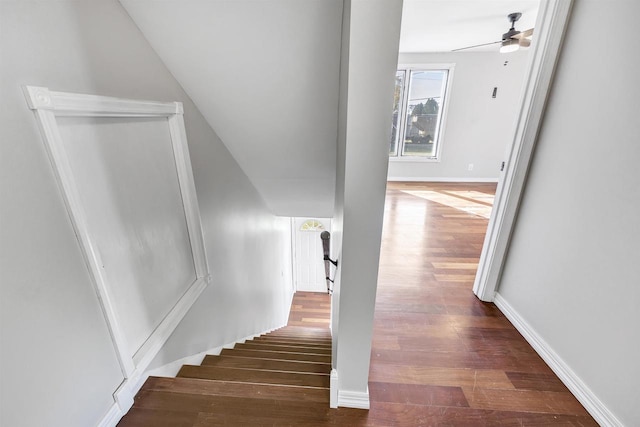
x,y
509,45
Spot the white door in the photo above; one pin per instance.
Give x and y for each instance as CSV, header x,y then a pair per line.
x,y
308,259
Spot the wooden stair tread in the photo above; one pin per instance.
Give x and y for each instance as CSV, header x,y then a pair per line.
x,y
280,392
266,364
209,403
224,410
254,376
322,335
292,343
144,417
283,348
334,417
274,354
279,378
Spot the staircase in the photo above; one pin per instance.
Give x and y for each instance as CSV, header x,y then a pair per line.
x,y
279,378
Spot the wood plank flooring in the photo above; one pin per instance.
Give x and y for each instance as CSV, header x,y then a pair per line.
x,y
310,309
440,357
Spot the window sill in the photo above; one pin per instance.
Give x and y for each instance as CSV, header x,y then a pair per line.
x,y
413,159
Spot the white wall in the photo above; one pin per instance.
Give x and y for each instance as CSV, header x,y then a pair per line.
x,y
572,269
48,307
125,174
478,127
371,35
265,76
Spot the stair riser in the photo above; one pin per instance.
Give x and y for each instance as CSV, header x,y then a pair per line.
x,y
266,364
276,341
322,338
279,355
283,348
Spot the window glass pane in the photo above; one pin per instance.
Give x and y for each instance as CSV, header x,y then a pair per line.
x,y
426,95
397,103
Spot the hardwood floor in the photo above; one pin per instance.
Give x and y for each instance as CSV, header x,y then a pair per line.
x,y
440,357
310,309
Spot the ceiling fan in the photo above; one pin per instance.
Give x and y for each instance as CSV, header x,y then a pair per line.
x,y
512,40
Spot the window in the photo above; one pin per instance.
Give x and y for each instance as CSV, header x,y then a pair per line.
x,y
418,107
312,225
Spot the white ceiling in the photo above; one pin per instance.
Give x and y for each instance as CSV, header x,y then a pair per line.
x,y
445,25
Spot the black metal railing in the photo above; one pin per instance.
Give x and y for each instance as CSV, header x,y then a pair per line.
x,y
326,239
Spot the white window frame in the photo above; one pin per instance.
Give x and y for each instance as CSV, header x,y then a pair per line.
x,y
408,68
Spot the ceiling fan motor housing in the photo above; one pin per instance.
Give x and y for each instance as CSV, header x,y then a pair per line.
x,y
513,18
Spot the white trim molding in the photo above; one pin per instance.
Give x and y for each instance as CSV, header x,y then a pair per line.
x,y
580,390
333,389
353,399
550,27
112,417
47,106
83,105
438,179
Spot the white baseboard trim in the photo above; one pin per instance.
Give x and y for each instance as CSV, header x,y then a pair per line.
x,y
438,179
353,399
112,417
587,398
333,389
126,392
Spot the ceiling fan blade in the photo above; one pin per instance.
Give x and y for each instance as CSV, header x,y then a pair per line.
x,y
477,45
523,34
524,42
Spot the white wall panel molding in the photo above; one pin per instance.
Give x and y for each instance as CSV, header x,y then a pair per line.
x,y
82,105
48,105
580,390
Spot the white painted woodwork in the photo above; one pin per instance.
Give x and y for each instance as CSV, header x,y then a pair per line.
x,y
308,256
129,198
551,24
334,389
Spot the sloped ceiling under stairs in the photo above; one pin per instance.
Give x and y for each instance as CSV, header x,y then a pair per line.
x,y
265,76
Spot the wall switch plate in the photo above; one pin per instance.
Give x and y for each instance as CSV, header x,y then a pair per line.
x,y
470,167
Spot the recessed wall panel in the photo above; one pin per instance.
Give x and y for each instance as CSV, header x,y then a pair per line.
x,y
125,174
